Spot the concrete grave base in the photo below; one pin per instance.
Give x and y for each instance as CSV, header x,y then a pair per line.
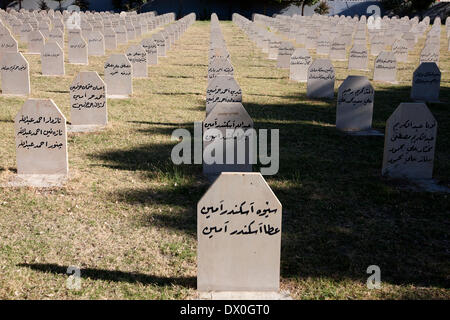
x,y
370,132
84,128
117,97
37,180
244,295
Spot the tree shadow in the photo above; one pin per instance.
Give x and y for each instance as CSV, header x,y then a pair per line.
x,y
115,275
339,214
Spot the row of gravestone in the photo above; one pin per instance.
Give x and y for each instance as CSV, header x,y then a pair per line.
x,y
320,74
40,127
239,217
15,68
412,142
336,42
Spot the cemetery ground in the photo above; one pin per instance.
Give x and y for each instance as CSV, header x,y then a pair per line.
x,y
127,216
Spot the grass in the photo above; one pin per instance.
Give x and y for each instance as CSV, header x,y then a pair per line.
x,y
127,216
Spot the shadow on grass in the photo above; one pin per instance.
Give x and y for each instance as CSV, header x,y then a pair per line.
x,y
114,275
339,215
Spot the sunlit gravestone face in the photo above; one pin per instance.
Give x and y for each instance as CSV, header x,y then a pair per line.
x,y
410,141
41,139
222,89
239,235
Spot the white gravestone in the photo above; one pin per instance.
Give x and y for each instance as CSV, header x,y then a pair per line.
x,y
358,58
88,100
52,60
78,50
219,67
285,51
410,141
121,33
161,43
225,129
239,235
15,74
118,76
385,68
137,56
110,38
222,89
41,139
96,43
152,51
300,62
35,42
321,78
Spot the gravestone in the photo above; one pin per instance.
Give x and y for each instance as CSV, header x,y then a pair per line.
x,y
131,31
219,67
285,51
15,74
152,51
225,127
323,45
358,58
385,68
300,62
41,139
410,141
52,60
137,56
354,108
429,54
426,83
274,44
161,44
377,45
121,34
223,88
338,50
57,36
321,78
96,44
88,100
400,50
8,44
35,42
78,50
239,235
110,38
118,76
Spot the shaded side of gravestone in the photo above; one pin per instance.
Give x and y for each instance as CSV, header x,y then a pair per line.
x,y
88,100
239,235
410,141
300,62
321,78
52,60
225,129
426,83
355,104
41,139
118,76
15,74
222,89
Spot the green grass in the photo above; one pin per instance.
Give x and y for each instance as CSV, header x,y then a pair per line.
x,y
127,216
